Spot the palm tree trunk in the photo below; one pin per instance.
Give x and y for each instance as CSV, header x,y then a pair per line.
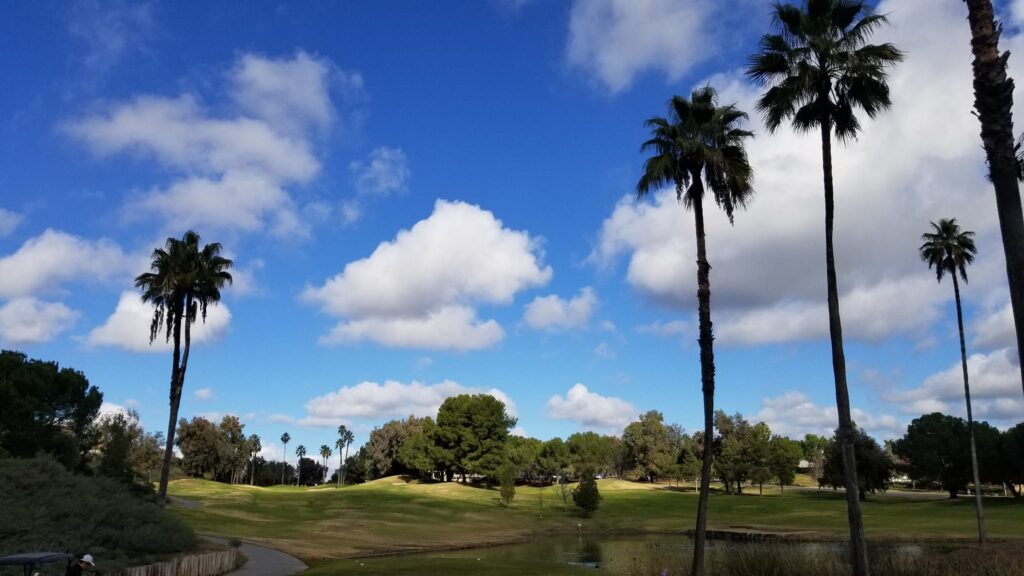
x,y
252,472
284,466
707,378
970,417
343,467
858,547
993,100
175,402
341,464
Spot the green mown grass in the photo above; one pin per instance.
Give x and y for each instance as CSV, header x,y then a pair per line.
x,y
391,515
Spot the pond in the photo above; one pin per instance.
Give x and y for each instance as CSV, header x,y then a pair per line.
x,y
638,555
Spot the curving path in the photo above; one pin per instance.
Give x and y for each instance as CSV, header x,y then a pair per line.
x,y
263,561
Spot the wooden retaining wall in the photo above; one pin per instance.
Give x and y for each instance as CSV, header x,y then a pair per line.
x,y
206,564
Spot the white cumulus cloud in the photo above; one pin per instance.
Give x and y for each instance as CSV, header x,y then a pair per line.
x,y
128,327
30,321
554,313
384,172
592,410
9,221
995,389
43,263
233,168
419,289
375,401
614,40
793,414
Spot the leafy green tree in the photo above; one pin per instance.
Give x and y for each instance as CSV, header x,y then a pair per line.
x,y
118,433
591,451
734,458
937,449
233,448
700,145
300,453
184,280
309,471
813,448
507,473
586,495
648,442
147,455
783,456
285,438
818,68
554,459
949,249
385,443
524,455
474,428
345,438
993,101
200,443
874,468
1011,456
46,409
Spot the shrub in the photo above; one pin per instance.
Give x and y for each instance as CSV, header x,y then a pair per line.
x,y
46,508
585,494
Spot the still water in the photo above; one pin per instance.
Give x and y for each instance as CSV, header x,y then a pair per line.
x,y
627,555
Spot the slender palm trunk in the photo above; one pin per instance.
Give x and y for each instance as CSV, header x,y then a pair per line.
x,y
284,466
343,467
707,378
252,471
970,417
175,402
858,547
993,100
341,464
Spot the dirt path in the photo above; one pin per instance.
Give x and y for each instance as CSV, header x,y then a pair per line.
x,y
263,561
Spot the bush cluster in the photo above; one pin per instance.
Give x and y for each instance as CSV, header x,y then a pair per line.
x,y
45,508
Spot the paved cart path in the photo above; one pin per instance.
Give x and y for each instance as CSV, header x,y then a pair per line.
x,y
263,561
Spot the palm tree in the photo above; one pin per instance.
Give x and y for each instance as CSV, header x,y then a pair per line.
x,y
950,249
993,101
345,438
300,452
285,438
818,68
325,453
183,281
699,145
256,446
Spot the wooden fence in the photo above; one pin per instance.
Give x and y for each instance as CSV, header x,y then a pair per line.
x,y
207,564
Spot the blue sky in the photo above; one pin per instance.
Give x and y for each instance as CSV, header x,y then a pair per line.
x,y
423,199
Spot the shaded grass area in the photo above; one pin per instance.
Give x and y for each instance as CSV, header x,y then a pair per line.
x,y
43,507
394,516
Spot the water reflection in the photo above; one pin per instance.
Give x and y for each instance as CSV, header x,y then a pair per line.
x,y
653,554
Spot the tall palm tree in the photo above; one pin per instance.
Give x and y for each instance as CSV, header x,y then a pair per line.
x,y
993,101
256,446
325,453
300,452
699,145
345,438
950,249
183,281
285,438
819,67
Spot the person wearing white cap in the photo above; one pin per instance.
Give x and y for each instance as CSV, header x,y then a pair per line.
x,y
84,563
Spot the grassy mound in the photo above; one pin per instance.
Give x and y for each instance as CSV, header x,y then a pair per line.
x,y
46,508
